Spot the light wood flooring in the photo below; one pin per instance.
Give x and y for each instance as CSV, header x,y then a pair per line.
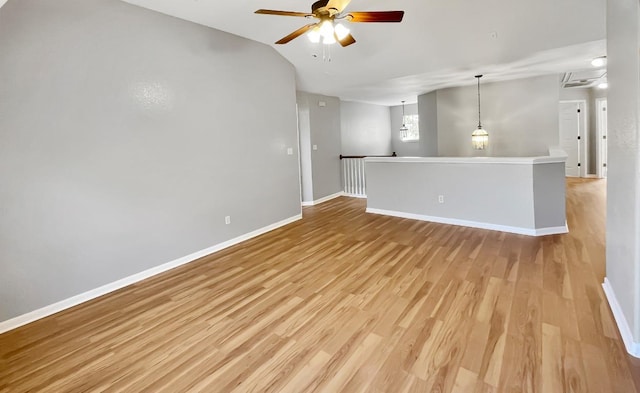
x,y
344,301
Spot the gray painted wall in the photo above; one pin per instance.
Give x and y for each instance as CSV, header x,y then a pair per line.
x,y
549,185
623,183
521,117
126,138
491,193
414,188
365,129
499,194
403,149
428,110
427,127
324,130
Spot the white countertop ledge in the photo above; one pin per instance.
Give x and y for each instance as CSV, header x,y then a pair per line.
x,y
474,160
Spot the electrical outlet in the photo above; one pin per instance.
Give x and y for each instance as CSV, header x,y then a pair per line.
x,y
315,147
227,220
440,198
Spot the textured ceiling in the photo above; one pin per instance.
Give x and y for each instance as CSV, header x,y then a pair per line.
x,y
440,43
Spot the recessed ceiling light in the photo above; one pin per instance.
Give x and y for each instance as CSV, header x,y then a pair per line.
x,y
599,61
603,85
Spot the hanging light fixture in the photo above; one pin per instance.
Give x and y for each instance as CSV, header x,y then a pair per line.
x,y
479,137
404,131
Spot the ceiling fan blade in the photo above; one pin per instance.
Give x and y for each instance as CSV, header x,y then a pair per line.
x,y
346,41
375,16
338,5
296,33
283,13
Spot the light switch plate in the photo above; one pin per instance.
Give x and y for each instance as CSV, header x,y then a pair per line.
x,y
315,147
290,151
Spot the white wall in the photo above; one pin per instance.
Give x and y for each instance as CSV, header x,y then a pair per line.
x,y
521,117
623,183
365,129
126,138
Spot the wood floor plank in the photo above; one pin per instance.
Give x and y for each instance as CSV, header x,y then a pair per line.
x,y
344,301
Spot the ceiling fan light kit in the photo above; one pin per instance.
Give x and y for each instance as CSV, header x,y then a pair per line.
x,y
341,31
328,11
314,35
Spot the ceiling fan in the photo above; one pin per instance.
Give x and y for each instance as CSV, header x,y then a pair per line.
x,y
328,11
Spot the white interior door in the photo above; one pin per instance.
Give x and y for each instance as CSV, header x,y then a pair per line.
x,y
569,136
601,124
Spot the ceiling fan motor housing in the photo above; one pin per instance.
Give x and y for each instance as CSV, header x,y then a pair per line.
x,y
317,8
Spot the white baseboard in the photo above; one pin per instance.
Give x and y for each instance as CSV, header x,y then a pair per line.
x,y
355,196
105,289
625,330
472,224
551,230
323,199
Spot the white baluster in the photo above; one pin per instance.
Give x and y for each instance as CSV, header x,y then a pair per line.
x,y
353,175
358,174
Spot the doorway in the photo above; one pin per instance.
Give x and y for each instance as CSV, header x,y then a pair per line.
x,y
601,137
573,140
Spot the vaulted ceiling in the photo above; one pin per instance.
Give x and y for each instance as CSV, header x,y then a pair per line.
x,y
440,43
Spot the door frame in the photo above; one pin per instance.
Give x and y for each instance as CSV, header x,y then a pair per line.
x,y
599,135
583,145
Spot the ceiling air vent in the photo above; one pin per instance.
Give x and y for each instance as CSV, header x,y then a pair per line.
x,y
586,78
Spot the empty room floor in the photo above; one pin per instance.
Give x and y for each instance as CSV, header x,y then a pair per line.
x,y
348,301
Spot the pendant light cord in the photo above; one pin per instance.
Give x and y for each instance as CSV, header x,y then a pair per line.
x,y
479,122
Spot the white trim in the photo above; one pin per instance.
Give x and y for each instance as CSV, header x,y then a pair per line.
x,y
355,195
105,289
551,230
323,199
473,160
472,224
592,176
2,2
625,330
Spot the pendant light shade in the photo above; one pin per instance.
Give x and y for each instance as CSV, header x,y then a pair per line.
x,y
404,130
479,137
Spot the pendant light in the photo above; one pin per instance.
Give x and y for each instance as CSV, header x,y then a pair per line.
x,y
404,131
479,137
